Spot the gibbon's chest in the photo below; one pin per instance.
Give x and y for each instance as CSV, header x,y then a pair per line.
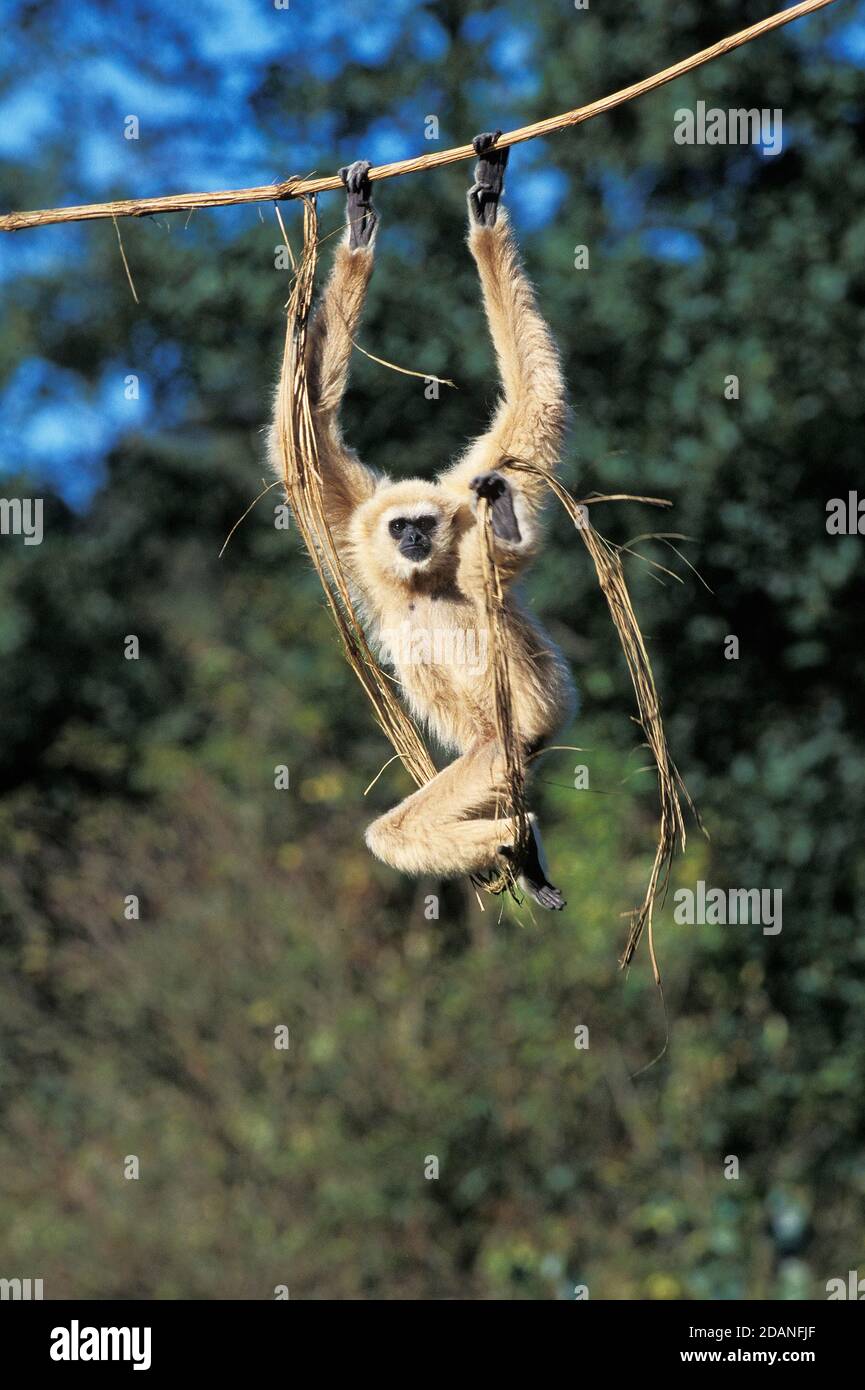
x,y
435,642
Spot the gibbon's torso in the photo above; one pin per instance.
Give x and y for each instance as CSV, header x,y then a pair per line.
x,y
441,651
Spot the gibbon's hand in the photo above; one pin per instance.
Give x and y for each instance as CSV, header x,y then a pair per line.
x,y
497,492
489,485
489,181
360,214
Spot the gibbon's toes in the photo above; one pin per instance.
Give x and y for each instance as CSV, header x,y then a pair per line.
x,y
532,876
482,142
354,176
540,889
545,895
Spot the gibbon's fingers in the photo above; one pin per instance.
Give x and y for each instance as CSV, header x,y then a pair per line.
x,y
544,896
489,485
487,188
360,214
497,492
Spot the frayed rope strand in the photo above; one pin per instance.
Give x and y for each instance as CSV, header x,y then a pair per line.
x,y
671,788
303,488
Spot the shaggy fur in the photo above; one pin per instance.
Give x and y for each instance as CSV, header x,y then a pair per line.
x,y
429,617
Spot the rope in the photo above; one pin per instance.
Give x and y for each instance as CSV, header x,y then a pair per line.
x,y
297,187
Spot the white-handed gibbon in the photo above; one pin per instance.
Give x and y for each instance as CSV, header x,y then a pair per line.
x,y
412,549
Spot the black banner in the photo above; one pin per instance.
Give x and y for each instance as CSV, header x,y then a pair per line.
x,y
80,1339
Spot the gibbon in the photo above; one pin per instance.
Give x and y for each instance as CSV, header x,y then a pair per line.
x,y
412,549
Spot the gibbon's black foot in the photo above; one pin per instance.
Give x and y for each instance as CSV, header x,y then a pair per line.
x,y
489,181
531,875
496,490
544,894
360,214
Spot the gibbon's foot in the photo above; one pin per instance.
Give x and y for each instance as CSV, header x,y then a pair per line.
x,y
544,894
486,190
497,491
531,875
360,214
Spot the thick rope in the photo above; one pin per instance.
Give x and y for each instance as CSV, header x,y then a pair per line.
x,y
298,187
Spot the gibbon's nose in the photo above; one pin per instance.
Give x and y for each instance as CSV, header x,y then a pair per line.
x,y
414,545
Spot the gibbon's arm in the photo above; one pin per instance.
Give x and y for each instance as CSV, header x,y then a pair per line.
x,y
529,423
347,481
530,420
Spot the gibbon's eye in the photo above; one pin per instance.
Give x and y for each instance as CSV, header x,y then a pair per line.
x,y
397,527
427,524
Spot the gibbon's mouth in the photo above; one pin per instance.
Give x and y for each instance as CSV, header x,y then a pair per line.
x,y
415,553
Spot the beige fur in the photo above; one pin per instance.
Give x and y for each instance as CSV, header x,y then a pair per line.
x,y
429,617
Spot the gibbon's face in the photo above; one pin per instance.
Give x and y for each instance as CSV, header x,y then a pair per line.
x,y
414,536
406,530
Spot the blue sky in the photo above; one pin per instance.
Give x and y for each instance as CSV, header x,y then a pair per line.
x,y
80,69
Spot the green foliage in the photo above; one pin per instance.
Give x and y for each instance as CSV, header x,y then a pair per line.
x,y
452,1037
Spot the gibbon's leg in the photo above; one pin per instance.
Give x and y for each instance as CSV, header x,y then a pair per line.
x,y
530,420
450,826
347,481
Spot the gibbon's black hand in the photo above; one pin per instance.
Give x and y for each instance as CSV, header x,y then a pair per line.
x,y
360,214
489,485
489,181
497,492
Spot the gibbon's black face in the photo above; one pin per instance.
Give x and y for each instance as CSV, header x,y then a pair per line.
x,y
413,536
